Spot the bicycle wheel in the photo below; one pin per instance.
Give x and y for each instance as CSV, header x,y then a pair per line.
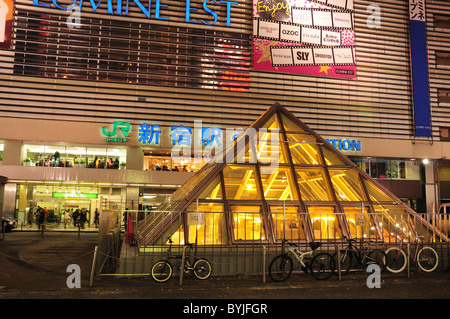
x,y
427,259
162,271
281,268
396,260
202,269
345,262
322,266
378,257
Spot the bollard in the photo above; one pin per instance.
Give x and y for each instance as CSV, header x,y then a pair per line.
x,y
407,260
183,260
94,261
264,264
338,254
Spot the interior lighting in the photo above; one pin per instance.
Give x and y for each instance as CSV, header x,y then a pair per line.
x,y
425,161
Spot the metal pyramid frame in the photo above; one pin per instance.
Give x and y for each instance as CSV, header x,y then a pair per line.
x,y
306,176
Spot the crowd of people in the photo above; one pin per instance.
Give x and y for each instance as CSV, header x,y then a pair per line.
x,y
57,161
78,218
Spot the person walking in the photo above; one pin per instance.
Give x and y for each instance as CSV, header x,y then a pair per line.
x,y
67,218
96,218
40,218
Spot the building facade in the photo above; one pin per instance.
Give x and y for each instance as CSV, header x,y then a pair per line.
x,y
87,86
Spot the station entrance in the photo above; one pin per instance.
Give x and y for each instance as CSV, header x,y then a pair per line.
x,y
61,201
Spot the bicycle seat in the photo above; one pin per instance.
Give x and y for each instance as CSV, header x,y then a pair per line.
x,y
314,245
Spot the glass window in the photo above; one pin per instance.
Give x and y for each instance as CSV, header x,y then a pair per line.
x,y
346,184
313,185
304,149
393,221
277,183
331,158
361,224
207,227
272,123
248,223
287,222
213,190
290,126
376,194
240,182
270,148
325,223
190,184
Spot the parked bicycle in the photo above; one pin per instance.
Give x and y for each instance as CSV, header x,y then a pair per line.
x,y
321,265
426,257
351,255
162,270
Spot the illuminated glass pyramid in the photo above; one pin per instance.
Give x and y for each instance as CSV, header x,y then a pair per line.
x,y
281,180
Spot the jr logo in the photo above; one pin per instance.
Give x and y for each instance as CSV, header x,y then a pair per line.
x,y
124,127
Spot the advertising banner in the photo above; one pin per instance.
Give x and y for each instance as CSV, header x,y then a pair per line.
x,y
6,19
419,67
304,37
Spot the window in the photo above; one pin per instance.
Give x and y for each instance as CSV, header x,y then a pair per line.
x,y
248,223
73,156
313,185
325,222
207,226
361,224
240,183
288,223
442,58
389,168
278,184
444,133
443,96
130,52
442,22
347,185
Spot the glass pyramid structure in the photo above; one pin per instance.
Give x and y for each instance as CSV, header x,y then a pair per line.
x,y
281,180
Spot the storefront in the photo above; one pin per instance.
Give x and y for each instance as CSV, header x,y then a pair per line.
x,y
102,100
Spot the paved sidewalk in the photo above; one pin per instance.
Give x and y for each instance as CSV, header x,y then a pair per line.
x,y
35,267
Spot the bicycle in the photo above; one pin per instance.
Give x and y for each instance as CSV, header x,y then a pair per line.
x,y
282,266
162,270
426,257
364,259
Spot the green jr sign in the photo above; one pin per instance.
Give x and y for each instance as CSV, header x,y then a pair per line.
x,y
75,195
114,136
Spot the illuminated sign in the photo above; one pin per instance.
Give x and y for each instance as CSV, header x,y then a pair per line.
x,y
75,195
190,9
114,136
345,145
304,37
6,21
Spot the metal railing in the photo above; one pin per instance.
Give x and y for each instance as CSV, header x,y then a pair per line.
x,y
243,243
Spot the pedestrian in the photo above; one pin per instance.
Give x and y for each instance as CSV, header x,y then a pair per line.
x,y
67,218
83,218
96,218
76,217
40,218
30,216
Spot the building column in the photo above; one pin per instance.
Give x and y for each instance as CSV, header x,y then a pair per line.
x,y
430,187
12,153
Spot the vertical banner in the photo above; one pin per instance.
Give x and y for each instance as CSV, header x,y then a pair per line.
x,y
304,37
419,68
6,19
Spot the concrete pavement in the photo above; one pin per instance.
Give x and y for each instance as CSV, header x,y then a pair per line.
x,y
35,267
